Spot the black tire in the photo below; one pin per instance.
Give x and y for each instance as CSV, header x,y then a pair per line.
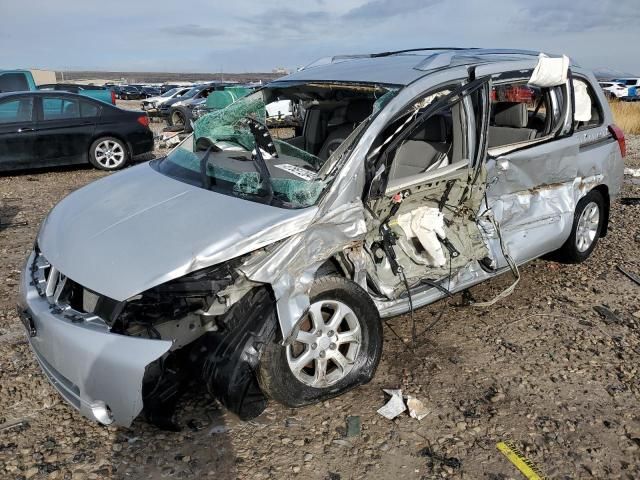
x,y
275,375
570,252
177,118
120,153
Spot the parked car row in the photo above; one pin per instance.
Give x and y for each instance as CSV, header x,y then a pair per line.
x,y
625,89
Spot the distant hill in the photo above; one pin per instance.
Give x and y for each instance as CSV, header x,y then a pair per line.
x,y
162,77
609,74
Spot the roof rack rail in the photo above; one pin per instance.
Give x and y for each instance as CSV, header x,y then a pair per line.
x,y
440,57
444,59
409,50
345,57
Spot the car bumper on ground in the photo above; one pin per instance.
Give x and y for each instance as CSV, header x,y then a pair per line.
x,y
97,372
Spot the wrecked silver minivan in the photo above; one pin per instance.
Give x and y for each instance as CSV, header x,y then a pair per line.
x,y
260,263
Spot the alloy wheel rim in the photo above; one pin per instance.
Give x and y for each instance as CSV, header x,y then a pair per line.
x,y
109,154
178,119
587,227
326,344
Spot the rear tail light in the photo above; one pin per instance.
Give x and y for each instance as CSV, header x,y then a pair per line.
x,y
143,120
618,134
113,97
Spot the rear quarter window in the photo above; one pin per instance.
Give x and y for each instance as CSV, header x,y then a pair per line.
x,y
88,110
588,111
13,82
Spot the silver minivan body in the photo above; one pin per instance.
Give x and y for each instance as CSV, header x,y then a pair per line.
x,y
135,230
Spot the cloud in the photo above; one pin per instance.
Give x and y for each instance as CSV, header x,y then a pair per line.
x,y
275,21
564,16
193,30
377,9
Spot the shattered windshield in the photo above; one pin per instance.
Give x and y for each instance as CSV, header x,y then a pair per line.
x,y
246,150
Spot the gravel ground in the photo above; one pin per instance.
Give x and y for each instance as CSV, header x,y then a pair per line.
x,y
541,368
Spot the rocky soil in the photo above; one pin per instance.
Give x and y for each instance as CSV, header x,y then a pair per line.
x,y
541,369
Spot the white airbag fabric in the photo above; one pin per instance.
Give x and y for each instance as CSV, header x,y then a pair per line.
x,y
583,102
426,224
550,72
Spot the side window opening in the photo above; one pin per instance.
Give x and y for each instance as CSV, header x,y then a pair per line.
x,y
437,142
56,108
16,110
588,111
13,82
519,113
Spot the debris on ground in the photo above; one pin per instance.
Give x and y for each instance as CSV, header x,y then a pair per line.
x,y
353,426
416,408
395,406
522,463
435,458
634,172
631,201
14,425
633,276
607,315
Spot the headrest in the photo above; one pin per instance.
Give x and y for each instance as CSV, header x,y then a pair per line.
x,y
358,110
511,114
433,130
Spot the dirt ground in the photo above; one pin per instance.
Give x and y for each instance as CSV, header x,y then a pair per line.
x,y
541,369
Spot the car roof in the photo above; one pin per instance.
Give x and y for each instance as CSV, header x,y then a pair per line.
x,y
41,93
400,67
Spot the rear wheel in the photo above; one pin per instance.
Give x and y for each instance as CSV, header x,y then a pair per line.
x,y
177,118
336,347
108,153
588,220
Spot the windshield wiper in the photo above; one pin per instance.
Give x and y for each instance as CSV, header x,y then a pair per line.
x,y
258,131
204,163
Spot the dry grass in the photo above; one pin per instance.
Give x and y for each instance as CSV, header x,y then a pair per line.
x,y
627,116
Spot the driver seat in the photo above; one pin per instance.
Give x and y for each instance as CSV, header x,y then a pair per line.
x,y
356,112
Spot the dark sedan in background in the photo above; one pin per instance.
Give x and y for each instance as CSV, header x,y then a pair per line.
x,y
48,128
130,92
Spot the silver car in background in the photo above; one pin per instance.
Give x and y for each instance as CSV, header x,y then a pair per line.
x,y
261,262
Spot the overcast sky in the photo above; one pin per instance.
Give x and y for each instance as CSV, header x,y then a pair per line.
x,y
258,35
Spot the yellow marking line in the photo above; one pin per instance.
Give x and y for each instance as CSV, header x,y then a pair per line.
x,y
522,463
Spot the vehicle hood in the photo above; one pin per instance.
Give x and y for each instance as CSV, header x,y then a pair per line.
x,y
136,229
156,99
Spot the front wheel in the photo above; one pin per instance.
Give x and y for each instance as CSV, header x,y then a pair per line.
x,y
336,347
588,220
108,153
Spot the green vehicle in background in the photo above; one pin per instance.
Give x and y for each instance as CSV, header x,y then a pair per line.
x,y
16,81
219,99
22,81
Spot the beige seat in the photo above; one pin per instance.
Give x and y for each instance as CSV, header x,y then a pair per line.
x,y
510,125
426,149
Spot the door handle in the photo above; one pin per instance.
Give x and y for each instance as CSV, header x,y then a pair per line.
x,y
26,129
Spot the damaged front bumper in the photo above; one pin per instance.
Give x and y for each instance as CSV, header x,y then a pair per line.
x,y
98,372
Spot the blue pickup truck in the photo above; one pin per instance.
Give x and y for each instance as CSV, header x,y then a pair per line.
x,y
22,80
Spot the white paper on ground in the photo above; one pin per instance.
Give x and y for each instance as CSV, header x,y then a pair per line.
x,y
395,406
417,408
